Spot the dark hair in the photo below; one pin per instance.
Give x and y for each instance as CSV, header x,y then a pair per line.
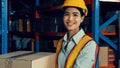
x,y
80,9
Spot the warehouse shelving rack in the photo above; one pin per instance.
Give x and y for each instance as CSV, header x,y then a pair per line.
x,y
96,27
5,21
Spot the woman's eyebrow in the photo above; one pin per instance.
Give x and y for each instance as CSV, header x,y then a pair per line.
x,y
66,12
72,12
75,13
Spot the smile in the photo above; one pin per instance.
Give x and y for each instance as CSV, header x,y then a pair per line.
x,y
70,23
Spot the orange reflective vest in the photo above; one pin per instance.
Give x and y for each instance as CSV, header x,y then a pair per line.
x,y
74,52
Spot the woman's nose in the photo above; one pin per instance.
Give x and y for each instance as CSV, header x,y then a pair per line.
x,y
70,17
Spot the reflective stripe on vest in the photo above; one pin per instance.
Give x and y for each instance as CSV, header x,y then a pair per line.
x,y
59,47
74,52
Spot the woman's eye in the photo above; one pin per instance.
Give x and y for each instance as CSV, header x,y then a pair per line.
x,y
66,14
75,14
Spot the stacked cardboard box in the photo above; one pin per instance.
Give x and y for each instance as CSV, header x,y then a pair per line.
x,y
111,57
5,59
28,25
106,56
33,60
20,22
103,56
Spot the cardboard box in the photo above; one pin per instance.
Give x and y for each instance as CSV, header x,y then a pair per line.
x,y
28,25
20,24
35,60
111,57
5,59
103,56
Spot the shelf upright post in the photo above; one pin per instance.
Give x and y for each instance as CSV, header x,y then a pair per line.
x,y
0,26
95,20
119,35
95,23
37,43
37,2
4,26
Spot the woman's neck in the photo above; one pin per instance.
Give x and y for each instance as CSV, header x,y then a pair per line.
x,y
72,33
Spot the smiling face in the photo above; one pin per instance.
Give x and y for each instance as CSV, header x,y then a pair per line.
x,y
72,19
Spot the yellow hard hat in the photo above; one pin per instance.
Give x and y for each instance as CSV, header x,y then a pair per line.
x,y
76,3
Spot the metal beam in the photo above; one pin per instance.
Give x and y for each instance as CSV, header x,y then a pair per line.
x,y
95,23
95,20
109,21
4,26
107,40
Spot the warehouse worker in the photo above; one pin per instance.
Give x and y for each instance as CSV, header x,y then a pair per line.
x,y
75,49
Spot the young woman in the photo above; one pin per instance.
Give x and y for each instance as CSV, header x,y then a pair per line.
x,y
75,49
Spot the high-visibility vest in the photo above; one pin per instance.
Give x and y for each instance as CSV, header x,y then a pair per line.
x,y
71,59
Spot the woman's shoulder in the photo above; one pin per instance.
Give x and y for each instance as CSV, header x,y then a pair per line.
x,y
91,43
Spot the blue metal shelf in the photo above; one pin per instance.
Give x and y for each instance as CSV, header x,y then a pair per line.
x,y
0,27
96,27
4,26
